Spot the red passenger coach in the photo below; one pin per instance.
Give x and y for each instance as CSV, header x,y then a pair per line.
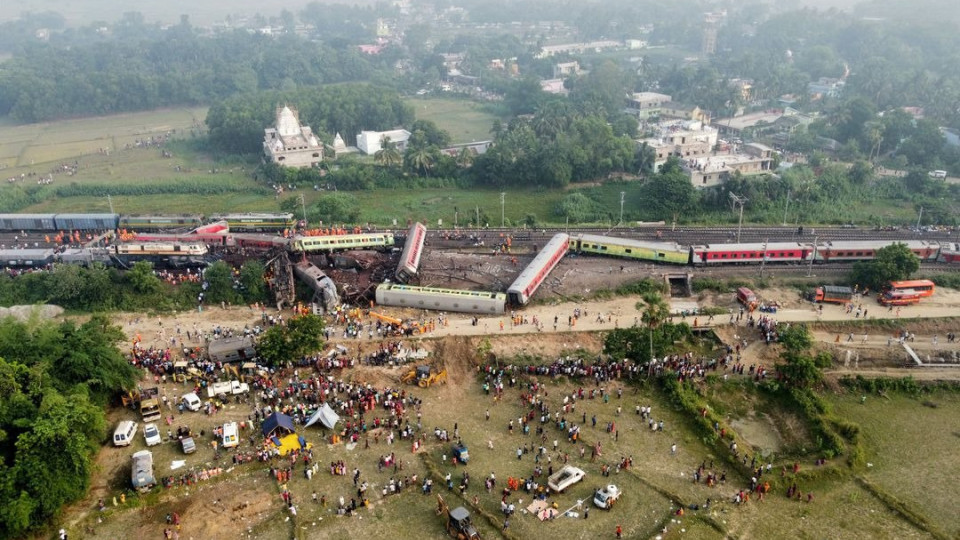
x,y
774,252
533,275
867,250
949,253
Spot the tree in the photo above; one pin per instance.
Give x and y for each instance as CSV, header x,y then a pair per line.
x,y
655,312
254,288
142,279
419,160
299,337
671,189
796,338
891,263
218,283
388,155
337,207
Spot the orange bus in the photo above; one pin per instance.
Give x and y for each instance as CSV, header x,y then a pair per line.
x,y
892,298
919,287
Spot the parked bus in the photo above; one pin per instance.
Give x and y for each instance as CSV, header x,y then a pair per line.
x,y
892,298
920,287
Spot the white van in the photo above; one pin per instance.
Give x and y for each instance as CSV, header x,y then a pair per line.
x,y
230,435
125,432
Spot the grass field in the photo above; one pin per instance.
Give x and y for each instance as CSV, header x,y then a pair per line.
x,y
31,145
380,207
465,121
912,445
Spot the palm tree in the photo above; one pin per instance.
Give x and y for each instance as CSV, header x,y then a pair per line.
x,y
419,160
655,312
388,155
465,157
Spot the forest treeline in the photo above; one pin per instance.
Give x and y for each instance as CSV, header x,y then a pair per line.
x,y
55,379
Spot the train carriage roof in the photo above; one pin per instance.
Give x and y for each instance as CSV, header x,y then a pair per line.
x,y
23,254
877,244
771,246
629,242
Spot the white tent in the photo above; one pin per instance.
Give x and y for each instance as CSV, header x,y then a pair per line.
x,y
325,415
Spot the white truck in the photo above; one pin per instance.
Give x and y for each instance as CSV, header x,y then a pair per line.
x,y
564,478
227,388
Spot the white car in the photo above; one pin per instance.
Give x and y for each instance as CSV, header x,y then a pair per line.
x,y
191,401
565,477
606,497
151,434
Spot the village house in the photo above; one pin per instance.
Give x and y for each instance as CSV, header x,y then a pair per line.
x,y
291,144
714,170
645,105
684,111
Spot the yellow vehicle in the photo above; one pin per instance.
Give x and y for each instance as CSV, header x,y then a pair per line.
x,y
424,376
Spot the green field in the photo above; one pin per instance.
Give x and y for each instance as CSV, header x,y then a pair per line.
x,y
912,448
30,146
465,121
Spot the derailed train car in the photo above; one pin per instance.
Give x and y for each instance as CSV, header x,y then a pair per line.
x,y
453,300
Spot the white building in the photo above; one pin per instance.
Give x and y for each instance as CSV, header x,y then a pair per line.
x,y
370,142
290,144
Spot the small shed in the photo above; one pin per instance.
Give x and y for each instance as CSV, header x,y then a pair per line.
x,y
277,424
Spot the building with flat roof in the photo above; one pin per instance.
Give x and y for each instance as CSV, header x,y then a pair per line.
x,y
291,144
646,105
370,142
714,170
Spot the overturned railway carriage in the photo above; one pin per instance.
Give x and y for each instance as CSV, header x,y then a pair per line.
x,y
412,250
533,275
459,301
343,242
661,252
26,258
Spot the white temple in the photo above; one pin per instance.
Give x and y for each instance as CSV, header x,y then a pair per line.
x,y
291,144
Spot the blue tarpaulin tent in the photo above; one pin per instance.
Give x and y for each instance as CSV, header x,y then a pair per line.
x,y
275,422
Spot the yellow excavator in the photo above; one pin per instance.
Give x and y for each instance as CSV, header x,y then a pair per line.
x,y
424,376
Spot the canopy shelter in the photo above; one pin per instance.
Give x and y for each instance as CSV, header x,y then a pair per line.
x,y
325,416
277,423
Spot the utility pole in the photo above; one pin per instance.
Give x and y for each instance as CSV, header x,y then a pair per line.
x,y
918,219
763,261
478,217
303,207
622,194
110,202
813,256
738,200
785,208
502,199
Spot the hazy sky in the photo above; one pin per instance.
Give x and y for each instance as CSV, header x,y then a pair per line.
x,y
202,12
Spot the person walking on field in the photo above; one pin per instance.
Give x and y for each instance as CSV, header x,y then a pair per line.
x,y
619,531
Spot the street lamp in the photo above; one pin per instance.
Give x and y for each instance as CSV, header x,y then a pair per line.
x,y
622,194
